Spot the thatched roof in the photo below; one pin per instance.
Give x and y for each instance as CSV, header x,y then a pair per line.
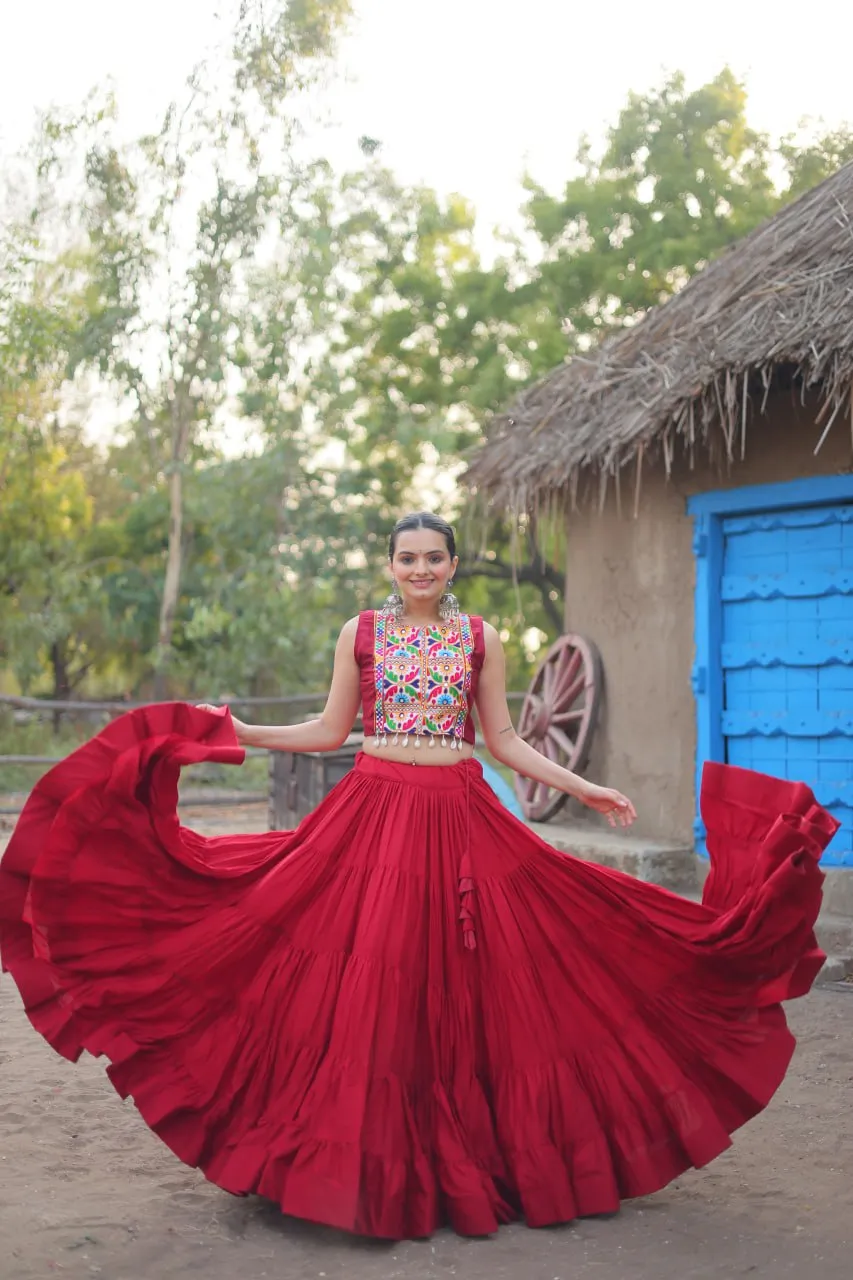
x,y
699,364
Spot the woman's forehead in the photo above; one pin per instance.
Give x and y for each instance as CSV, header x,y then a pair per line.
x,y
420,542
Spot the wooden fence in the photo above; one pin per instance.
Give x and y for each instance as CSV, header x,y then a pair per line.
x,y
109,709
106,710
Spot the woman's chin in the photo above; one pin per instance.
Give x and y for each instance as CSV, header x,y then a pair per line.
x,y
424,595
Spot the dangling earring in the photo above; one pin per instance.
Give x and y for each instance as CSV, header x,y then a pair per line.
x,y
393,606
448,605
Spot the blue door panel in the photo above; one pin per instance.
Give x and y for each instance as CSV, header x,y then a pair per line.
x,y
786,651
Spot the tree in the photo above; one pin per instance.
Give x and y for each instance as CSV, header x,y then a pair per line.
x,y
44,507
161,299
810,159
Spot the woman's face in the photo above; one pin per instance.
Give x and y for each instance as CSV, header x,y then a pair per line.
x,y
422,566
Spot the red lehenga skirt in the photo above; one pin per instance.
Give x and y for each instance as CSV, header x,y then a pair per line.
x,y
411,1010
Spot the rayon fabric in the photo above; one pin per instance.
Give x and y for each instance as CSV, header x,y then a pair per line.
x,y
298,1013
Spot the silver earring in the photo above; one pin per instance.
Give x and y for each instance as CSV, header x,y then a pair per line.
x,y
393,606
448,605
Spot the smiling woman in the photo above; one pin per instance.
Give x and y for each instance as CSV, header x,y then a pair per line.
x,y
411,1010
424,646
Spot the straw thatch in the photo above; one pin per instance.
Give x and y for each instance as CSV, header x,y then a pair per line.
x,y
697,367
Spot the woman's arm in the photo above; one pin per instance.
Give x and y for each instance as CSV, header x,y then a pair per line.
x,y
330,729
505,745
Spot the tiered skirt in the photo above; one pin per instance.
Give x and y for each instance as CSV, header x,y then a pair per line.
x,y
411,1010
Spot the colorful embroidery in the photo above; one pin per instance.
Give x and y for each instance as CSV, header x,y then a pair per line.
x,y
423,678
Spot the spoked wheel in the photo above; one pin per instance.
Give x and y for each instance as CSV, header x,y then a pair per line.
x,y
558,718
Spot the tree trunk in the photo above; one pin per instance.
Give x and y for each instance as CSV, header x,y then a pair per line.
x,y
174,557
61,680
545,578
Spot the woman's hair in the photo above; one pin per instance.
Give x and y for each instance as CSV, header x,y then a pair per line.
x,y
422,520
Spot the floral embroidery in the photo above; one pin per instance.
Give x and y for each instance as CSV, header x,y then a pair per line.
x,y
423,677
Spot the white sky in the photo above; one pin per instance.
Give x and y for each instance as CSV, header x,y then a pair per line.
x,y
464,94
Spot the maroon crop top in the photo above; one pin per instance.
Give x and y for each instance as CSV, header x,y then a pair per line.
x,y
419,682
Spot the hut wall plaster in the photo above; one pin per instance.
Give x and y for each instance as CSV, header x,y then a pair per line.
x,y
630,588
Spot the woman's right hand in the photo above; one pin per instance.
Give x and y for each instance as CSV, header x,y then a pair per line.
x,y
239,726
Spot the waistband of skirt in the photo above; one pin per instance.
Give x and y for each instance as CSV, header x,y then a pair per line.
x,y
434,776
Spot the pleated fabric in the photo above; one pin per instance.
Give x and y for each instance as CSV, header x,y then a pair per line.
x,y
411,1010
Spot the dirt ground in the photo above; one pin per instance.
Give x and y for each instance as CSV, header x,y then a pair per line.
x,y
87,1191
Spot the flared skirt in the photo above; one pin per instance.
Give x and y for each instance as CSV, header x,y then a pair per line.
x,y
411,1010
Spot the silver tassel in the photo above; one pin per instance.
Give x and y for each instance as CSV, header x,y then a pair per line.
x,y
432,740
417,742
405,739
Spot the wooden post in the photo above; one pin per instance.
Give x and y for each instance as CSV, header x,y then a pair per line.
x,y
298,781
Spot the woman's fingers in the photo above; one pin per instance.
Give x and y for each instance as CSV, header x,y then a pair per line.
x,y
623,813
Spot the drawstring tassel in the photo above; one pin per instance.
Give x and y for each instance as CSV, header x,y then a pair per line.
x,y
466,915
466,876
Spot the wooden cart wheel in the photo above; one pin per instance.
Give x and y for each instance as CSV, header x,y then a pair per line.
x,y
558,718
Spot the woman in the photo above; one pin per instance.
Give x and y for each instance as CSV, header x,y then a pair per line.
x,y
411,1010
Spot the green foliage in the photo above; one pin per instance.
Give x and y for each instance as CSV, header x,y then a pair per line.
x,y
681,177
809,162
35,736
278,51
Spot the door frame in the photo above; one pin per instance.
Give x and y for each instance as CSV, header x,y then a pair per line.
x,y
708,510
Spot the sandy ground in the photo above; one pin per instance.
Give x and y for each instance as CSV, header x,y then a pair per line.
x,y
86,1190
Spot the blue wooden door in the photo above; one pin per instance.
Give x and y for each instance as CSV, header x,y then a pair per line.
x,y
787,652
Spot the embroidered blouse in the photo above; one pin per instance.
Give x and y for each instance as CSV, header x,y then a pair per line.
x,y
419,682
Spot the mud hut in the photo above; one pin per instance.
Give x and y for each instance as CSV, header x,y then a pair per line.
x,y
703,462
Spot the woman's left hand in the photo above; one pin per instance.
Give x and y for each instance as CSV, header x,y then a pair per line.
x,y
616,808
